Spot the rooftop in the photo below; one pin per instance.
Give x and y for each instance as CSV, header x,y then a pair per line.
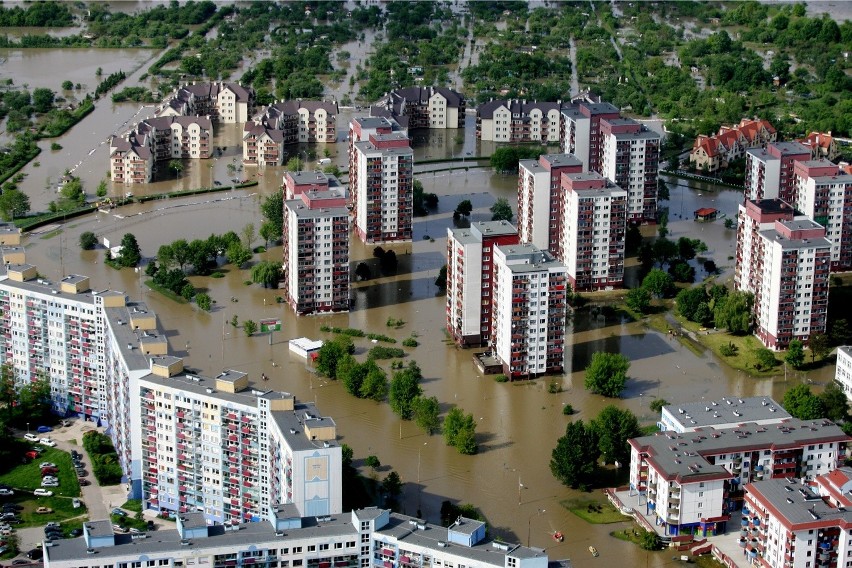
x,y
796,504
713,413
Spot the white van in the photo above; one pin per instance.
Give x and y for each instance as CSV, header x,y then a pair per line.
x,y
324,161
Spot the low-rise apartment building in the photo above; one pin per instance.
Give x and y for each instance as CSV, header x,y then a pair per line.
x,y
422,107
725,413
821,145
362,538
594,231
224,102
769,171
692,481
470,279
384,190
529,307
791,525
824,193
316,244
518,121
712,153
263,146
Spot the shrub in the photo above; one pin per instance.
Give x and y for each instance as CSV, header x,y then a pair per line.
x,y
729,350
567,410
382,352
410,342
501,378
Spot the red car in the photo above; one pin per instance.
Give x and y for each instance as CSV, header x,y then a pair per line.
x,y
32,455
49,471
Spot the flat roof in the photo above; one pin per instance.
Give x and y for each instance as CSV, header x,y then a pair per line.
x,y
367,147
292,426
796,503
198,385
127,339
791,147
537,259
493,228
302,211
562,160
716,412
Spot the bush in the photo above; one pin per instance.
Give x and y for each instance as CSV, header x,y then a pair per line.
x,y
501,378
105,464
382,352
410,342
88,240
567,410
729,350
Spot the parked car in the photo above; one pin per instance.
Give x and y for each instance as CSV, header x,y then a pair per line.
x,y
49,471
42,493
81,472
31,437
48,442
50,478
118,511
76,532
12,506
7,532
119,529
6,492
50,483
46,464
7,516
44,429
38,449
52,524
35,554
44,511
75,503
32,454
20,562
84,482
75,455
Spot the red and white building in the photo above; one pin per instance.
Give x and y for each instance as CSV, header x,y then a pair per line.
x,y
529,306
594,230
824,193
316,244
360,130
783,259
541,201
786,524
470,279
690,481
769,171
629,156
580,131
384,190
711,153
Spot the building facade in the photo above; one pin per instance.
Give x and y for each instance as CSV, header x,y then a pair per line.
x,y
629,156
470,279
712,153
692,481
384,194
518,121
541,201
529,306
769,171
262,146
580,131
422,107
843,370
594,231
316,244
824,193
360,130
229,103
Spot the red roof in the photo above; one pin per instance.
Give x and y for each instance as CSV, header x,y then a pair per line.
x,y
704,211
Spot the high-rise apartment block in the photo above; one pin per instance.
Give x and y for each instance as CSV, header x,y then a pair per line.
x,y
824,193
594,231
422,107
843,370
769,171
360,130
470,279
629,157
541,215
384,191
783,259
529,305
581,131
316,243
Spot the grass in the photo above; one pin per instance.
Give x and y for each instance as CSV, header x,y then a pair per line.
x,y
747,346
632,534
27,477
129,522
594,509
62,510
51,234
134,505
165,292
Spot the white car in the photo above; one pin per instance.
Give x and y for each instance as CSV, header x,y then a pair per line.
x,y
31,437
6,492
42,493
53,483
47,442
75,503
46,464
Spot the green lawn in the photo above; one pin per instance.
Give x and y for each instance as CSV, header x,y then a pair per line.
x,y
62,510
134,505
594,509
27,477
129,522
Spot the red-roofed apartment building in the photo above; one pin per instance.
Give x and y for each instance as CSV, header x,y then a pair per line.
x,y
711,153
822,145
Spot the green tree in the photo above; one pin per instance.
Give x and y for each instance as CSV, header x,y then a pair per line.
x,y
267,273
88,240
687,248
249,327
188,291
71,195
650,540
404,388
460,431
273,211
464,207
613,427
657,404
441,280
606,374
43,100
204,302
733,312
688,300
835,403
248,235
375,385
372,462
176,166
658,282
818,344
294,165
330,355
130,254
426,411
102,189
501,210
764,359
574,459
801,403
67,85
268,233
638,299
795,354
392,486
13,203
237,254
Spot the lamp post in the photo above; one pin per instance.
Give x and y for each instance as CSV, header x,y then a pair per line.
x,y
529,523
418,461
520,486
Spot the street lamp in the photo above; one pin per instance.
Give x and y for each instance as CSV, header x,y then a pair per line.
x,y
529,524
418,461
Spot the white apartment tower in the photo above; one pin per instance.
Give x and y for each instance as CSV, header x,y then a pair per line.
x,y
629,156
594,230
843,371
529,310
769,171
824,193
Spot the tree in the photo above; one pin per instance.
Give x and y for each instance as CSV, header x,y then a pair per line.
x,y
249,327
43,100
606,374
404,388
268,233
294,165
501,210
840,333
658,283
688,300
663,251
441,280
273,211
67,85
372,462
764,359
650,540
733,312
13,203
88,240
729,223
682,272
613,427
392,486
204,302
248,235
330,355
375,385
102,189
426,410
267,273
460,431
801,403
464,207
657,404
238,255
687,248
71,195
574,459
835,403
818,344
638,299
130,254
176,166
662,190
362,271
795,354
188,291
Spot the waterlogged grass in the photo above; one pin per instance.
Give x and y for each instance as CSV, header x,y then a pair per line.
x,y
747,347
594,509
